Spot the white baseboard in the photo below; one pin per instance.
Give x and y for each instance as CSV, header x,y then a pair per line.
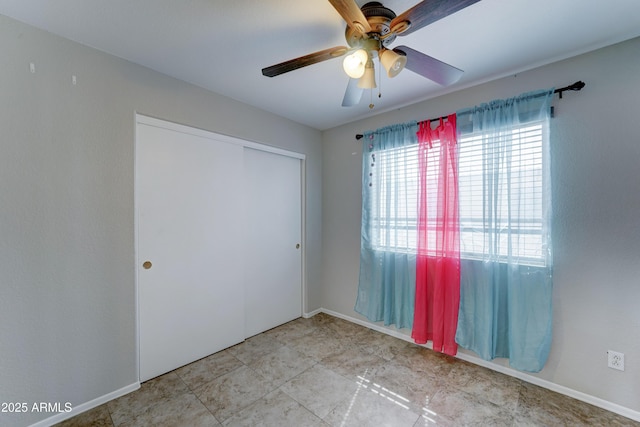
x,y
87,406
592,400
596,401
311,314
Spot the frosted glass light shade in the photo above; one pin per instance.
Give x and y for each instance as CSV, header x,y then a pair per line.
x,y
392,62
368,79
354,64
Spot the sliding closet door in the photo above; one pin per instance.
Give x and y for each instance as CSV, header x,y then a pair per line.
x,y
273,252
190,281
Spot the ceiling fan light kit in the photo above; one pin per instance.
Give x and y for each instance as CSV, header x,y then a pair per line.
x,y
370,30
392,62
368,79
354,64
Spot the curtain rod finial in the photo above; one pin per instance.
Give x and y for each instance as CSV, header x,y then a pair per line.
x,y
576,86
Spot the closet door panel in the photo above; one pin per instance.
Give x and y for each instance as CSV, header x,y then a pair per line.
x,y
272,246
190,269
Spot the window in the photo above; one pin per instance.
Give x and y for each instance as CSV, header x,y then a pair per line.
x,y
482,225
518,205
394,199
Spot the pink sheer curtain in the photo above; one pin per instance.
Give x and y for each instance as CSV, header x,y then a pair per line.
x,y
438,259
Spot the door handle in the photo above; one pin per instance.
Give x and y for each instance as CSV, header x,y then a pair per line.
x,y
146,265
297,245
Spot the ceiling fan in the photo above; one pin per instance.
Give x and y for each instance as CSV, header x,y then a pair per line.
x,y
370,30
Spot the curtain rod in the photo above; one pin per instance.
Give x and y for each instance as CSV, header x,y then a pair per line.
x,y
575,86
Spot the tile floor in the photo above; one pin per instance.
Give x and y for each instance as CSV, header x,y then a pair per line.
x,y
325,371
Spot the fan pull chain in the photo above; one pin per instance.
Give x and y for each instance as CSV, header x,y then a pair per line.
x,y
371,104
379,77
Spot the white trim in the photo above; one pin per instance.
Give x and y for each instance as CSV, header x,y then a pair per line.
x,y
136,295
601,403
314,312
77,410
303,233
592,400
189,130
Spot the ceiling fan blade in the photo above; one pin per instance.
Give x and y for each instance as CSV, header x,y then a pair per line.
x,y
429,67
303,61
351,13
353,94
427,12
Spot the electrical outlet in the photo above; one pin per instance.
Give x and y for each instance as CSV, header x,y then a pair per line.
x,y
615,360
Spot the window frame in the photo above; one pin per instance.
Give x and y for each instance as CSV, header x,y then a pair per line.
x,y
378,227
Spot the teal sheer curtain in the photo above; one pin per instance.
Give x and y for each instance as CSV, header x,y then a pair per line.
x,y
506,270
386,288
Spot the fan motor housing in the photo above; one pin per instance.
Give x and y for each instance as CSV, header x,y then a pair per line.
x,y
379,18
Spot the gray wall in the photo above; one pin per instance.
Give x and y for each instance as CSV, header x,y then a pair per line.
x,y
67,310
596,220
67,307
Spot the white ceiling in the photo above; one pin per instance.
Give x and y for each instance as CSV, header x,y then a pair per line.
x,y
222,45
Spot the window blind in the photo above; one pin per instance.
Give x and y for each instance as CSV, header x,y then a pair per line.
x,y
510,225
483,225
